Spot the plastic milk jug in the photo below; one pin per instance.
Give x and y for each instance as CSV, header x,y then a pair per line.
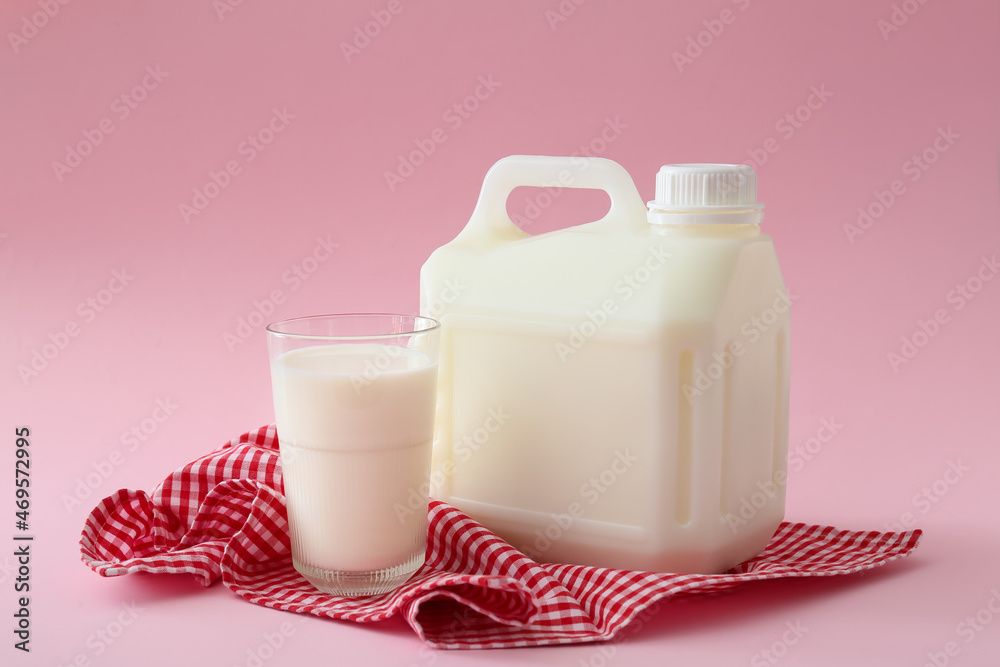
x,y
615,393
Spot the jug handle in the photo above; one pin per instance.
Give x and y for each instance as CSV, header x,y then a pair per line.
x,y
490,223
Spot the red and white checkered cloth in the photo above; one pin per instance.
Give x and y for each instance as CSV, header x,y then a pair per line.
x,y
224,515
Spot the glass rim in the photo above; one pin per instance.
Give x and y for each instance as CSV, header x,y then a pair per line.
x,y
272,329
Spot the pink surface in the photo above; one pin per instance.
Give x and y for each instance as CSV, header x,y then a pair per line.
x,y
308,223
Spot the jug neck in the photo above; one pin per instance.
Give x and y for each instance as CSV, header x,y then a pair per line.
x,y
743,230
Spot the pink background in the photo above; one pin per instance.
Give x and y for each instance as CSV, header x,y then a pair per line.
x,y
555,88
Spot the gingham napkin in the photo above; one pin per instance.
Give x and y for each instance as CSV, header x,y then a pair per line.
x,y
224,515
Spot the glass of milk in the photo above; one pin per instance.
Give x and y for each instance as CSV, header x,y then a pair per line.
x,y
354,403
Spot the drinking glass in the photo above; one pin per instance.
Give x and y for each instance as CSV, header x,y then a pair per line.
x,y
354,403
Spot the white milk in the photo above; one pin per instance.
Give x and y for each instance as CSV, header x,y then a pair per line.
x,y
616,393
355,423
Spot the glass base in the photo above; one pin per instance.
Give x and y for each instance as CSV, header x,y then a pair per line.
x,y
359,584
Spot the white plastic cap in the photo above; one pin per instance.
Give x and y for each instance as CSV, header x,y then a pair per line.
x,y
688,194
